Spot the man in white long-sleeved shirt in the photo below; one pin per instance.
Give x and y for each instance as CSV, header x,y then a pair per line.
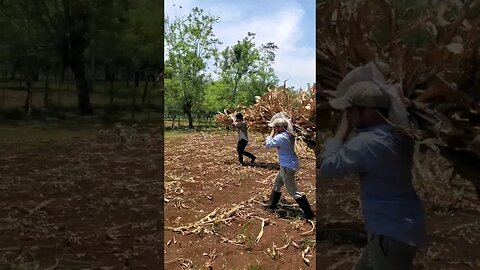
x,y
281,139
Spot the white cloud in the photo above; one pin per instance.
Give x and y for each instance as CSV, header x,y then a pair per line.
x,y
297,66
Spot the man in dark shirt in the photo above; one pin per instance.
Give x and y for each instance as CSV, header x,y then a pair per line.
x,y
241,127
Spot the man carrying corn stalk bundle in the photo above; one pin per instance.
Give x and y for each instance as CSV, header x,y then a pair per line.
x,y
284,141
241,127
382,156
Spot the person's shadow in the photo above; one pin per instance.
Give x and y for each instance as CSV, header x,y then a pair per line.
x,y
264,165
288,210
256,164
342,233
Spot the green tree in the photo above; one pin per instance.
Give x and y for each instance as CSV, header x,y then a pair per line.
x,y
238,61
263,78
190,42
52,36
216,96
247,69
71,26
172,105
26,50
142,48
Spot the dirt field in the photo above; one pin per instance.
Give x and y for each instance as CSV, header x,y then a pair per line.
x,y
88,198
213,219
453,220
88,202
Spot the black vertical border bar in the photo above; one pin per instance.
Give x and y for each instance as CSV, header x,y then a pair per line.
x,y
162,142
317,137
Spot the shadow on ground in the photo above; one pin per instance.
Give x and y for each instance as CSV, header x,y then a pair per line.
x,y
264,165
289,211
339,233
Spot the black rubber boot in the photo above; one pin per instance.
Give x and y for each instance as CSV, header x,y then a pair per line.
x,y
274,198
305,206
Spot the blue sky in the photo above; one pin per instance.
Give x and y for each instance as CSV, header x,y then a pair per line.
x,y
290,24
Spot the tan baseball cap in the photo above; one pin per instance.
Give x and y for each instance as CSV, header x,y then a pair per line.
x,y
364,94
279,122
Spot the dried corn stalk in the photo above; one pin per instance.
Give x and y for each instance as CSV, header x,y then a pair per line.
x,y
299,107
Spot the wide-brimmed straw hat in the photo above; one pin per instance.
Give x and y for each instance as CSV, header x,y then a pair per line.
x,y
278,122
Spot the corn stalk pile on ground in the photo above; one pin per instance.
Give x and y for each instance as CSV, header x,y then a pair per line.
x,y
432,50
299,107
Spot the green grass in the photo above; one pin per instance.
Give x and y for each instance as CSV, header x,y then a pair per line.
x,y
307,242
101,114
120,87
35,134
178,133
172,134
245,227
11,98
38,128
200,123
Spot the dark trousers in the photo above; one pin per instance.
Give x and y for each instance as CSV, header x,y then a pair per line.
x,y
386,253
241,150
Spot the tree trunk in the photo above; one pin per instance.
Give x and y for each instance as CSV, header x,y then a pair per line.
x,y
62,74
46,98
234,91
91,76
107,79
127,79
3,98
29,81
134,93
59,88
36,74
61,84
28,99
145,91
160,83
83,86
190,116
111,93
14,72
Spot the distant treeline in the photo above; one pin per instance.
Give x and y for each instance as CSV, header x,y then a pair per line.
x,y
47,42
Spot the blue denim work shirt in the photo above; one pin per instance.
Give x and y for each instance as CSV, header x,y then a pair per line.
x,y
383,159
285,143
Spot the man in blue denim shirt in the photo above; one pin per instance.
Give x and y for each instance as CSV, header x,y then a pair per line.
x,y
281,139
382,157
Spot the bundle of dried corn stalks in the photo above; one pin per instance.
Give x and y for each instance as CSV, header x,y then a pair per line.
x,y
225,119
433,50
298,106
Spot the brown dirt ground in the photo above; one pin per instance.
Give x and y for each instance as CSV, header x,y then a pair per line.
x,y
201,175
452,210
89,203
